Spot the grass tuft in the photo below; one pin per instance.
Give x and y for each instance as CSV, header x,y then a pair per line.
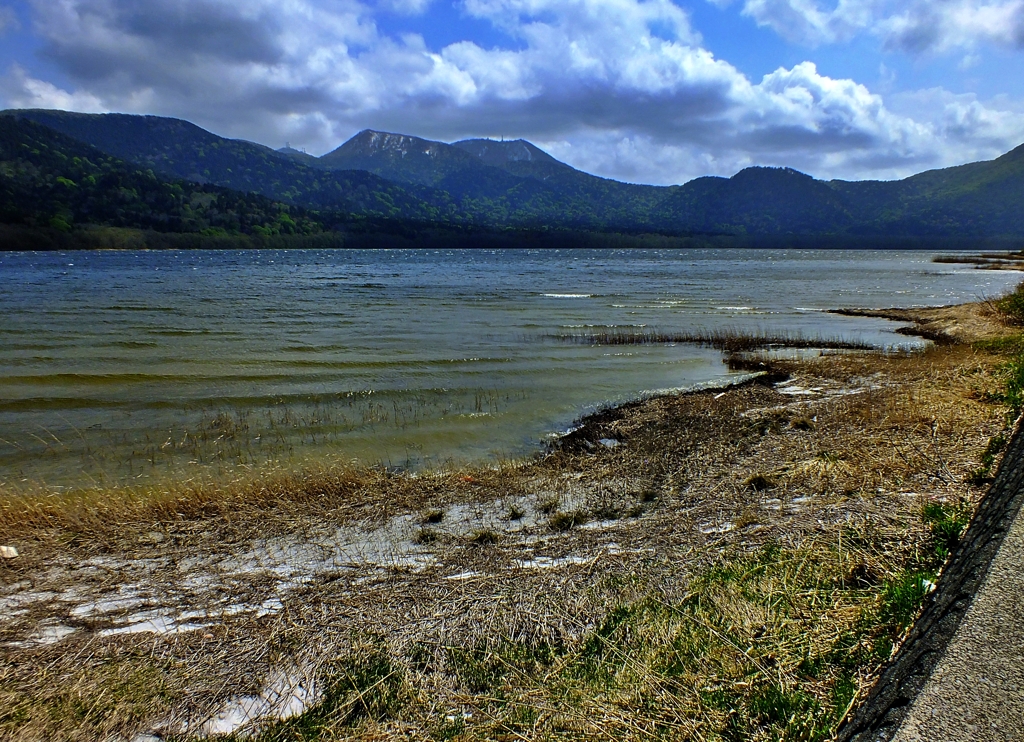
x,y
433,517
947,523
1011,306
567,520
425,536
485,537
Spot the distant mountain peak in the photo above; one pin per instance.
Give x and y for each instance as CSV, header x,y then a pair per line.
x,y
501,153
370,142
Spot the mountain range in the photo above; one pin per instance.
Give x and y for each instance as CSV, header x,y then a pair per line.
x,y
384,178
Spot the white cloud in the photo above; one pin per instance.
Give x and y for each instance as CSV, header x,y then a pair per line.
x,y
405,7
623,88
951,25
23,91
963,123
918,26
806,22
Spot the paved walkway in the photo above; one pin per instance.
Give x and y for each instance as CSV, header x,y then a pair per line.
x,y
960,674
976,691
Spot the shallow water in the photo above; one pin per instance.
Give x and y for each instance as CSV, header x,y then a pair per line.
x,y
120,368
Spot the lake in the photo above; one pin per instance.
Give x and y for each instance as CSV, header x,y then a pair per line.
x,y
133,368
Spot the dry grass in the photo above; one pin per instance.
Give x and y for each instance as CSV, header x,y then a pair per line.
x,y
644,590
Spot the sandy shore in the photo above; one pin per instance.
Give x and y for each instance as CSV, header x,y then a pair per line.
x,y
662,571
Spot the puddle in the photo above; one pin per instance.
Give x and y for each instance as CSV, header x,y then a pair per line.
x,y
100,607
794,391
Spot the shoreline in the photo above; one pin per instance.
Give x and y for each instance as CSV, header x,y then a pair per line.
x,y
448,578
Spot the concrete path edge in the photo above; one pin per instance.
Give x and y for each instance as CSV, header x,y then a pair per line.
x,y
886,707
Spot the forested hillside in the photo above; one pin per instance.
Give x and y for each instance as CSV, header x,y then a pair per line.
x,y
50,180
181,150
395,180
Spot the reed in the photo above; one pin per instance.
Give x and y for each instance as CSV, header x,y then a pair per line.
x,y
729,340
998,261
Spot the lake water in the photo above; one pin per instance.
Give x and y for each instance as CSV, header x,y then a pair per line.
x,y
121,368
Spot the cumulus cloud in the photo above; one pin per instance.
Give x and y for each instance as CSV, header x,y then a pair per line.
x,y
623,88
24,91
951,25
918,26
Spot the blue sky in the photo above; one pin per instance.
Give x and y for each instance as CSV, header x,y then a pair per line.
x,y
650,91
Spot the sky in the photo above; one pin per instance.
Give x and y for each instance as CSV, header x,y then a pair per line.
x,y
646,91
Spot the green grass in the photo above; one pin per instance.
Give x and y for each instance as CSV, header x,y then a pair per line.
x,y
1013,387
1012,306
947,522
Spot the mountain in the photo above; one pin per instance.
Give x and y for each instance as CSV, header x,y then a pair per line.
x,y
51,180
505,182
299,156
980,198
402,158
178,149
520,158
514,184
758,200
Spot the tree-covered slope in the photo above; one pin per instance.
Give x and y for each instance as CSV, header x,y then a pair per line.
x,y
406,159
51,180
515,184
518,157
425,181
504,183
980,198
757,200
182,150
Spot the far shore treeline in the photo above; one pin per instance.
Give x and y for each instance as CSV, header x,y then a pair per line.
x,y
386,235
78,181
